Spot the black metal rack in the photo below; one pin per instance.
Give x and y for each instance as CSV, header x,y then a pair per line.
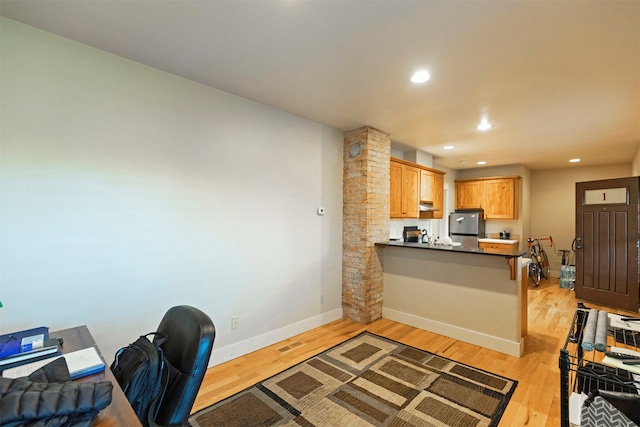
x,y
583,371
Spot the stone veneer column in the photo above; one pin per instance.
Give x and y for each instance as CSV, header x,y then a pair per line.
x,y
365,221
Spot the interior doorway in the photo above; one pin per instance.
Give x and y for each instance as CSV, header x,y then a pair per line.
x,y
607,242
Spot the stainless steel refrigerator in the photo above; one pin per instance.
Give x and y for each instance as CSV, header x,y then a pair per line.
x,y
466,227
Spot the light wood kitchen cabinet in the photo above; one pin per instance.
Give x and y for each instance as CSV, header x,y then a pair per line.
x,y
411,184
498,196
405,187
426,186
435,194
410,191
395,205
469,194
503,247
438,196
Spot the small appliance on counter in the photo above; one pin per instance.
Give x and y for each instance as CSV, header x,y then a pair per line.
x,y
411,234
466,227
505,235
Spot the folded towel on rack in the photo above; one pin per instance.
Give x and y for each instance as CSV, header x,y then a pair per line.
x,y
601,331
589,336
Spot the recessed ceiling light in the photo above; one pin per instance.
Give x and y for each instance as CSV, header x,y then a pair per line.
x,y
574,160
484,126
420,76
482,163
448,147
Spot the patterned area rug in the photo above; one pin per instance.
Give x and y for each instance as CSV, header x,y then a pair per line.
x,y
367,380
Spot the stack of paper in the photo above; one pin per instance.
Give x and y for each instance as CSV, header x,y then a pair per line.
x,y
81,363
576,401
615,321
619,363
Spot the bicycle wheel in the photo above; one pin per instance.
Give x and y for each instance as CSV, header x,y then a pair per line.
x,y
535,273
545,267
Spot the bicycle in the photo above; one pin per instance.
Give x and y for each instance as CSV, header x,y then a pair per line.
x,y
540,267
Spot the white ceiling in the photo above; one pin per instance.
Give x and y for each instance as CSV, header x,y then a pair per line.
x,y
558,79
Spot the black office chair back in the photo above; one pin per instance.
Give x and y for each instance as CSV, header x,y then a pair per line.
x,y
190,335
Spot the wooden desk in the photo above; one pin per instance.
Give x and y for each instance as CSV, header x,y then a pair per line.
x,y
119,412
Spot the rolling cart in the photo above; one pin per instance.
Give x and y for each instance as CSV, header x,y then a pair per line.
x,y
584,371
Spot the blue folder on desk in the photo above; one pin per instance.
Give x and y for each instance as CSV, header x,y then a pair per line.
x,y
11,354
23,334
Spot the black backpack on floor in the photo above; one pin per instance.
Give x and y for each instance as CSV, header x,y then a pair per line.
x,y
142,373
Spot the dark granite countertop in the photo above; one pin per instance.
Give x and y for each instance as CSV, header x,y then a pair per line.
x,y
459,249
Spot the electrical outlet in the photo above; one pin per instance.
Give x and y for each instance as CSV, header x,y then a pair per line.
x,y
235,322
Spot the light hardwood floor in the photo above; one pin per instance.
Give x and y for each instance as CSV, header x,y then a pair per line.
x,y
536,401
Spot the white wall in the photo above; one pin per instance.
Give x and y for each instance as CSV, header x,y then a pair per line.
x,y
553,202
635,165
126,190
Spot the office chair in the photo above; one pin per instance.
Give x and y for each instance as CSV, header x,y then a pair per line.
x,y
190,335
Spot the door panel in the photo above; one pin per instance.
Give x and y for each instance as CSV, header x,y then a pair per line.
x,y
620,253
602,255
607,261
585,273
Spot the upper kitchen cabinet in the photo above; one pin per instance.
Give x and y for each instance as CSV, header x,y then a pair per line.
x,y
395,205
413,184
426,186
498,196
432,193
405,187
501,199
469,194
438,195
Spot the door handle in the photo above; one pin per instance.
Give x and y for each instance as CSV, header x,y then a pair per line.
x,y
578,245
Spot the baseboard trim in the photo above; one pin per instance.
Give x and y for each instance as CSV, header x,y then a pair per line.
x,y
232,351
501,345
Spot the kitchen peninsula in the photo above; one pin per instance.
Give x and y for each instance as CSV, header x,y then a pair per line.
x,y
476,295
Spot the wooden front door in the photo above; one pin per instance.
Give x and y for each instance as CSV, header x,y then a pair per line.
x,y
607,242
